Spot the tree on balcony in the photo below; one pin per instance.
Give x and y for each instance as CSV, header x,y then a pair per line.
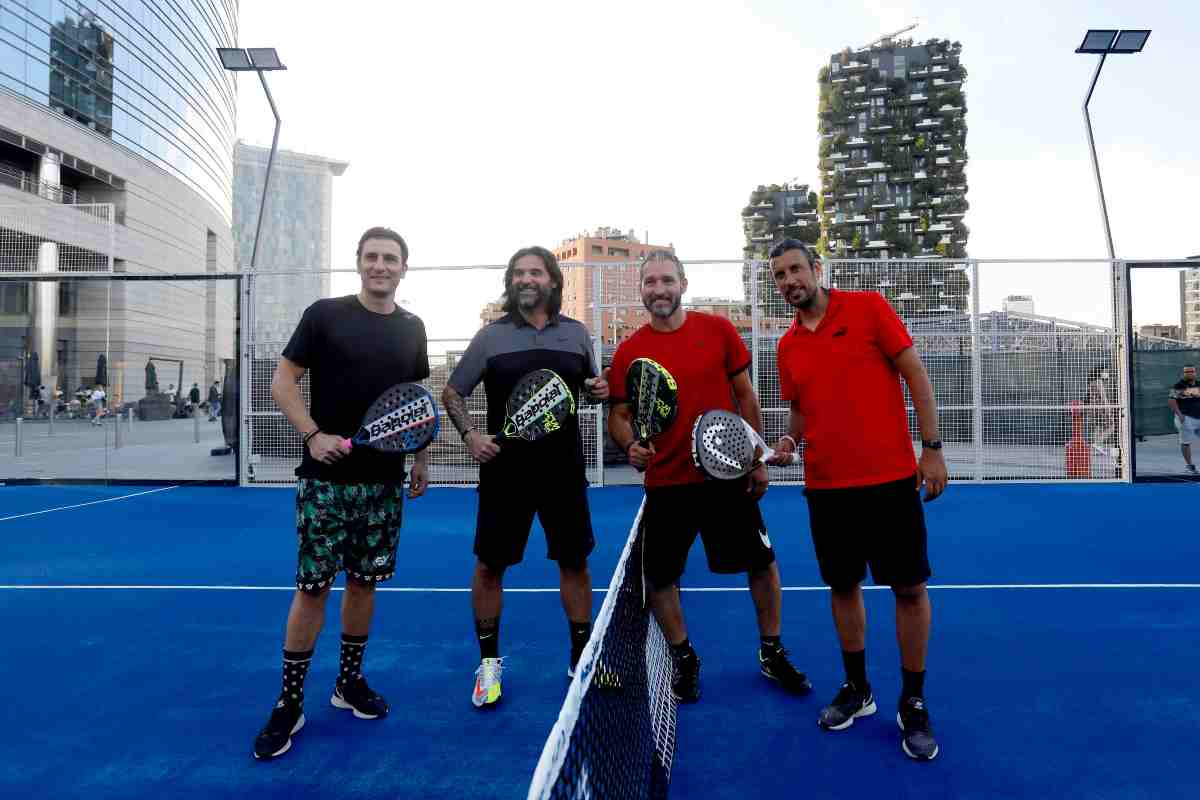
x,y
823,74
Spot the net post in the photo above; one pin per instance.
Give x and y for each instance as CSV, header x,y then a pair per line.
x,y
976,376
17,438
118,438
195,427
50,416
598,355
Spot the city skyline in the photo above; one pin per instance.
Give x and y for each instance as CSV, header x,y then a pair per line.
x,y
723,133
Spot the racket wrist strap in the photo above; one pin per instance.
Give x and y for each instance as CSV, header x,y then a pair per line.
x,y
467,433
308,436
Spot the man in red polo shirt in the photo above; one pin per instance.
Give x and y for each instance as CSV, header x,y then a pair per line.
x,y
840,366
708,361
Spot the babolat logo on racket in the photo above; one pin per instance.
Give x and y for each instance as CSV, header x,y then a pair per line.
x,y
418,411
540,404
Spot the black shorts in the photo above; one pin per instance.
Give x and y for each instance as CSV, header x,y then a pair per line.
x,y
505,517
722,512
881,525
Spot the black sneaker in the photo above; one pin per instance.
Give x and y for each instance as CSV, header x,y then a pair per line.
x,y
685,683
918,740
849,704
276,738
359,698
774,664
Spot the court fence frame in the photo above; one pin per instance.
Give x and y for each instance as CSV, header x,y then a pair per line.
x,y
1012,387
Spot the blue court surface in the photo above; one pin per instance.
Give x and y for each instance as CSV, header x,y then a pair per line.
x,y
143,631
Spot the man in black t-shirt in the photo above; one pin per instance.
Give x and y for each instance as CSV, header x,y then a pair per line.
x,y
1184,402
348,501
518,479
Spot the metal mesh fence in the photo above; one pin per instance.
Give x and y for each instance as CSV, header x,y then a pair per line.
x,y
56,237
1006,368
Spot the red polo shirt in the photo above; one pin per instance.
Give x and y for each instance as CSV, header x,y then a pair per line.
x,y
842,379
703,356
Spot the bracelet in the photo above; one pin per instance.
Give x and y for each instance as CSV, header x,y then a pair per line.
x,y
788,436
465,433
310,435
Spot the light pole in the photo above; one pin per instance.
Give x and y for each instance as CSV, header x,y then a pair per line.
x,y
260,60
1102,42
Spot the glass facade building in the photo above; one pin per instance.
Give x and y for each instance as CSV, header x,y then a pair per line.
x,y
143,73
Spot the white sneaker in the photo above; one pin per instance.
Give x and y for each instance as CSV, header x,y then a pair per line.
x,y
487,682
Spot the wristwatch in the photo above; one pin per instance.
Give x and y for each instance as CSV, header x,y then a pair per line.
x,y
931,444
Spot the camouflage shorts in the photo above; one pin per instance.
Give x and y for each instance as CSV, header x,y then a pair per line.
x,y
350,526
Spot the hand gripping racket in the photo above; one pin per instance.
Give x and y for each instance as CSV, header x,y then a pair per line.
x,y
403,420
653,398
537,406
724,444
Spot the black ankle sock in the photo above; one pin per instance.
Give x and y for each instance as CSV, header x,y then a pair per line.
x,y
487,631
683,649
914,684
580,633
352,658
770,644
856,667
295,670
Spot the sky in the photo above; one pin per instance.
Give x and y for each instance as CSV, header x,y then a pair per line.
x,y
477,128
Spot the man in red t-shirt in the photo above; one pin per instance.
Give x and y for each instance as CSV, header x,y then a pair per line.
x,y
840,366
708,360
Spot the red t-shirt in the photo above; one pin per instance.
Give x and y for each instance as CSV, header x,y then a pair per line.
x,y
703,356
842,379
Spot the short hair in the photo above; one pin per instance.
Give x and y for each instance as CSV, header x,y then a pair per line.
x,y
380,232
509,298
781,247
1189,366
660,255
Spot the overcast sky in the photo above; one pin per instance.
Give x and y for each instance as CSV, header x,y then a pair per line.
x,y
476,128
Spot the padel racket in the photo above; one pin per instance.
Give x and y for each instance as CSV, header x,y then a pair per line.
x,y
403,420
724,445
653,398
537,406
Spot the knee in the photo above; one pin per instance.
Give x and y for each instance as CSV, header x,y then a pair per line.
x,y
358,587
315,596
490,577
910,595
574,572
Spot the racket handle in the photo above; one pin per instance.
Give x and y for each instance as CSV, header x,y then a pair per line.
x,y
348,444
641,443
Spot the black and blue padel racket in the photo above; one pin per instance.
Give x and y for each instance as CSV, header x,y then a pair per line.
x,y
725,447
403,420
537,406
653,398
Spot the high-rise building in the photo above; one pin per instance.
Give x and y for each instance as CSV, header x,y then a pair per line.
x,y
624,312
776,212
295,233
892,159
117,125
1189,303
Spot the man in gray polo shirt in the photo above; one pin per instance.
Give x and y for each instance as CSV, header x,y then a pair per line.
x,y
518,479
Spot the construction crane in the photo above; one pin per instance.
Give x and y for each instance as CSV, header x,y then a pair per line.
x,y
889,36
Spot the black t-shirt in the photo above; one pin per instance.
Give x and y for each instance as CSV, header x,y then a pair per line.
x,y
1187,395
500,355
352,356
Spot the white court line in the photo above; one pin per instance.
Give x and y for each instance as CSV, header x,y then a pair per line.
x,y
92,503
464,590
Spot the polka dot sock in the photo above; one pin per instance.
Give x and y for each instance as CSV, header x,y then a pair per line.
x,y
352,658
295,669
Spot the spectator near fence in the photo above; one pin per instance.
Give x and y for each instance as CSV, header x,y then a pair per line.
x,y
1101,419
1184,402
214,402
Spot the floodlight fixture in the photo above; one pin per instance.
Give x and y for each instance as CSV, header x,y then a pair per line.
x,y
265,58
1097,41
235,59
1130,42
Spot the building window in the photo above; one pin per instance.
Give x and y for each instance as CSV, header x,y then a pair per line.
x,y
901,66
837,67
597,250
623,252
875,62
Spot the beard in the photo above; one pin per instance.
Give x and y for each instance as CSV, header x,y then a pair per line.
x,y
809,299
675,303
529,300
